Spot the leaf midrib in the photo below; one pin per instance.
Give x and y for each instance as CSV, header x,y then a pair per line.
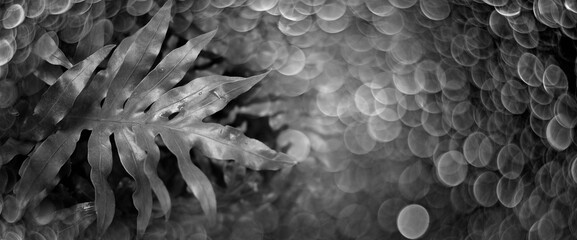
x,y
93,119
127,79
45,165
59,97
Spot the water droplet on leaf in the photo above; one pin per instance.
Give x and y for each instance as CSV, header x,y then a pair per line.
x,y
217,95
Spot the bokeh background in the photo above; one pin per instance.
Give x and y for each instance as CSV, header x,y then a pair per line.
x,y
431,119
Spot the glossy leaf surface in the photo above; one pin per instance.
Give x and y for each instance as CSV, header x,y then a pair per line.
x,y
124,120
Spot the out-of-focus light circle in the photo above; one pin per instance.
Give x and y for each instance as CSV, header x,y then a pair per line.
x,y
484,189
139,7
331,79
123,22
331,11
288,10
25,34
462,116
573,169
515,97
387,213
383,130
554,80
510,191
335,26
496,3
35,8
12,235
391,24
354,220
472,149
357,140
511,161
413,221
295,62
498,24
328,103
299,143
295,28
452,168
11,211
379,8
268,53
13,16
245,21
36,236
6,51
421,143
403,3
435,123
566,110
364,101
262,5
57,7
408,51
222,3
407,83
558,136
571,6
428,76
314,65
435,9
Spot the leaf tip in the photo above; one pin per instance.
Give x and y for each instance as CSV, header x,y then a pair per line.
x,y
109,47
212,33
167,5
67,64
104,51
259,77
206,38
287,160
278,161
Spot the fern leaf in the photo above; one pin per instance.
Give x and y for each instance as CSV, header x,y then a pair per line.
x,y
41,168
48,73
139,59
59,98
11,148
167,73
146,139
132,158
194,178
139,105
94,39
48,50
97,90
100,160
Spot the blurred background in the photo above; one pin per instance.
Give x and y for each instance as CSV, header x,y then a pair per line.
x,y
430,119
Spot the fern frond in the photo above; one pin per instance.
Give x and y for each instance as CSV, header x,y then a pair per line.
x,y
140,104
